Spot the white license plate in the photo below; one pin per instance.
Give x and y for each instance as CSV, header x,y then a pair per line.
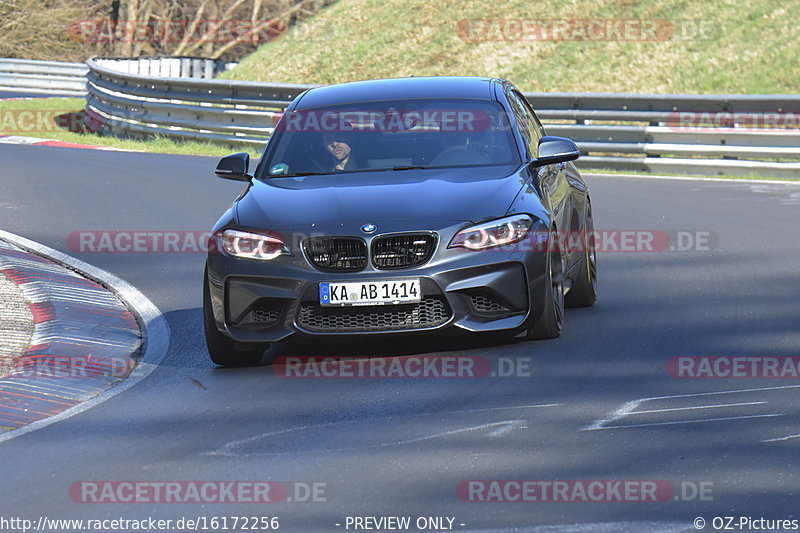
x,y
384,292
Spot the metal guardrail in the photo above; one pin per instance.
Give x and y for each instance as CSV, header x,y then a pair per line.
x,y
615,131
668,141
69,79
168,67
194,109
43,77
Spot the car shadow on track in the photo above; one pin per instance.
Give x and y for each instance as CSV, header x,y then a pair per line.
x,y
188,349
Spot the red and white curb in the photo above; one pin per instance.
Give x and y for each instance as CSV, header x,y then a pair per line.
x,y
16,139
94,336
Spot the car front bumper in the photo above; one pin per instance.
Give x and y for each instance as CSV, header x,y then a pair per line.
x,y
267,301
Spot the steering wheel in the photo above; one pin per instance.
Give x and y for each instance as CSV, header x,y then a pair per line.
x,y
319,165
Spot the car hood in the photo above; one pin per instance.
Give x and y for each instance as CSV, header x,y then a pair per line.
x,y
395,201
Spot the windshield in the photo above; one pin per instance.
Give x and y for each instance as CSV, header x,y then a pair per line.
x,y
390,135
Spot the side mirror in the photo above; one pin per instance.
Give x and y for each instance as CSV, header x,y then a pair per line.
x,y
556,150
235,167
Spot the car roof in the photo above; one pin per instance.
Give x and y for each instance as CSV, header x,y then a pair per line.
x,y
398,89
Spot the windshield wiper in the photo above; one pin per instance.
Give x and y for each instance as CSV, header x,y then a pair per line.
x,y
298,174
301,174
406,168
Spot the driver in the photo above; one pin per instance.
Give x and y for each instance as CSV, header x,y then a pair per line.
x,y
340,147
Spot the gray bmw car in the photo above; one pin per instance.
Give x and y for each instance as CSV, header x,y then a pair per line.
x,y
400,206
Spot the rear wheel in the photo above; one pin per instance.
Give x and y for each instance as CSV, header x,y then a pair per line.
x,y
223,350
552,320
584,292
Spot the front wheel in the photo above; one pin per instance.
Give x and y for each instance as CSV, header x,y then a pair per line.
x,y
223,350
584,292
552,320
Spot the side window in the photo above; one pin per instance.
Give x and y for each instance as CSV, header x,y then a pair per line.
x,y
519,117
531,127
537,126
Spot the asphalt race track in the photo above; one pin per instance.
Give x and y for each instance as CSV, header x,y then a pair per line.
x,y
387,447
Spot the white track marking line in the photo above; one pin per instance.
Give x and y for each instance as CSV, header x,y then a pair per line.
x,y
619,413
722,392
155,331
650,411
628,408
534,406
780,439
687,178
691,421
227,449
503,427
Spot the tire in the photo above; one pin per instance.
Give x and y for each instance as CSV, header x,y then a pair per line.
x,y
584,292
223,350
549,325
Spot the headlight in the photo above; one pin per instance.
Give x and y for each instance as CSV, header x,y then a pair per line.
x,y
250,245
494,233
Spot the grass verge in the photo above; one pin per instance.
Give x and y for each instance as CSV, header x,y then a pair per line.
x,y
718,46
